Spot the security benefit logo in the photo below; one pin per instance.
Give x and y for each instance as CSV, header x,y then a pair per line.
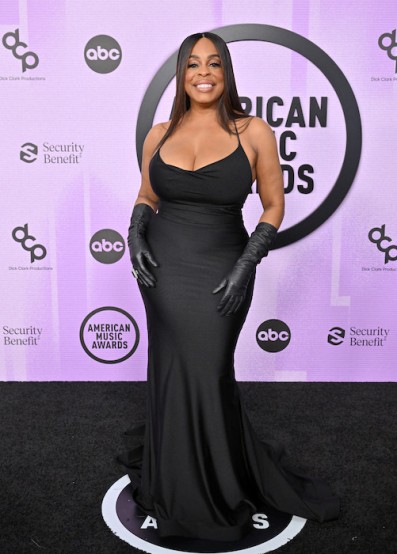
x,y
11,41
270,529
364,337
109,335
22,336
102,54
52,153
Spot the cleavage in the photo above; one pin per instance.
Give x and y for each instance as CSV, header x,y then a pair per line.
x,y
220,158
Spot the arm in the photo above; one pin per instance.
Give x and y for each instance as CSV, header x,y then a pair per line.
x,y
269,177
146,194
271,192
144,209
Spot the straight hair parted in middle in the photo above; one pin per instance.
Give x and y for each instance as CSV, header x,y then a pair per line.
x,y
229,106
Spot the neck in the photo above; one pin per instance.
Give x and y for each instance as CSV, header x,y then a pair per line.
x,y
202,112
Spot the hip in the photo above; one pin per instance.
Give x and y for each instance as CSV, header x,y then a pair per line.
x,y
176,239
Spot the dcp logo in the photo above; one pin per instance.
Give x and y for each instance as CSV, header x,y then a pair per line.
x,y
273,335
11,41
388,42
107,246
102,54
377,235
34,249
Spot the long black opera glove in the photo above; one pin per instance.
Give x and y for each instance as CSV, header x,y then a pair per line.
x,y
236,282
138,246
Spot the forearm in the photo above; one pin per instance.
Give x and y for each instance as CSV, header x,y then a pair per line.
x,y
258,245
274,215
236,282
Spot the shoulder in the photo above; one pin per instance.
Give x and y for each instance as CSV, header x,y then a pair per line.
x,y
153,138
157,132
258,127
259,133
253,125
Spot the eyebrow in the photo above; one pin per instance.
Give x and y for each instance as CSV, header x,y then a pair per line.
x,y
208,57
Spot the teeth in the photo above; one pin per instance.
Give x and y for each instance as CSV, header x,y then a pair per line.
x,y
204,86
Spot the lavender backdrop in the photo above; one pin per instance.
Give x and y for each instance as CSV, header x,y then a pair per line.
x,y
77,204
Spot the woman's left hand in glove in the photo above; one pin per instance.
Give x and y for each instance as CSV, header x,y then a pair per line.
x,y
236,283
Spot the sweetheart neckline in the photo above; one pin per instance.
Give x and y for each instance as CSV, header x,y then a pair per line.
x,y
204,166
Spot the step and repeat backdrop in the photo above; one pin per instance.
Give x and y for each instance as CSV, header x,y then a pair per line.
x,y
81,84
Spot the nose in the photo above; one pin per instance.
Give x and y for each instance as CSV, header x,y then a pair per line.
x,y
203,71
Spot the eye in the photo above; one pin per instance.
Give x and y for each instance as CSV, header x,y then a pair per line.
x,y
192,65
216,64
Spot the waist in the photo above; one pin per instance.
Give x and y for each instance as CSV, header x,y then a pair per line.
x,y
194,213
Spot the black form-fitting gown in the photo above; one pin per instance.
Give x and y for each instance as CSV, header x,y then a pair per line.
x,y
196,464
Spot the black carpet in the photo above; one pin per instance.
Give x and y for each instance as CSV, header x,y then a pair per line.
x,y
59,441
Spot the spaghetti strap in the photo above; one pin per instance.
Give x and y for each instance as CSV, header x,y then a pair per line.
x,y
238,136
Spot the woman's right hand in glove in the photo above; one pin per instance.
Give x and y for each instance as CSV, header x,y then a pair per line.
x,y
140,252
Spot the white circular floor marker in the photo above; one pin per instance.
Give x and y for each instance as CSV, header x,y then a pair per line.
x,y
270,530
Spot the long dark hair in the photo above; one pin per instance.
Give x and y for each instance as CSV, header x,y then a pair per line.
x,y
228,108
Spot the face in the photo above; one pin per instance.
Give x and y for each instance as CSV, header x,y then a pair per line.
x,y
204,79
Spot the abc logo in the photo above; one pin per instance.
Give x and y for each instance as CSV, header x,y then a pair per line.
x,y
102,54
107,246
273,335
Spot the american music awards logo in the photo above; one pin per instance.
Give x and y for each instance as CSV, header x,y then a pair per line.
x,y
270,529
314,201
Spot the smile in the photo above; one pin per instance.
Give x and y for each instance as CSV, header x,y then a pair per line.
x,y
204,86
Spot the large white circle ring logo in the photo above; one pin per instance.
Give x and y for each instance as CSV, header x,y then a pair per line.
x,y
341,86
125,519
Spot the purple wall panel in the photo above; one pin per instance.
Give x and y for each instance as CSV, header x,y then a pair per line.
x,y
325,289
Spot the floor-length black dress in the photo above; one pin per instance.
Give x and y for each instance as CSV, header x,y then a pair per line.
x,y
197,465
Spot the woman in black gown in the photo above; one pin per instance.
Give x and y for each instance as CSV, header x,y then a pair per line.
x,y
197,465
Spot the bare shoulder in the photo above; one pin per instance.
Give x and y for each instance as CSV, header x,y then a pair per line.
x,y
260,134
254,125
259,128
155,134
153,138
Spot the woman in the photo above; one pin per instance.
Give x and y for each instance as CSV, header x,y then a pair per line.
x,y
197,465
